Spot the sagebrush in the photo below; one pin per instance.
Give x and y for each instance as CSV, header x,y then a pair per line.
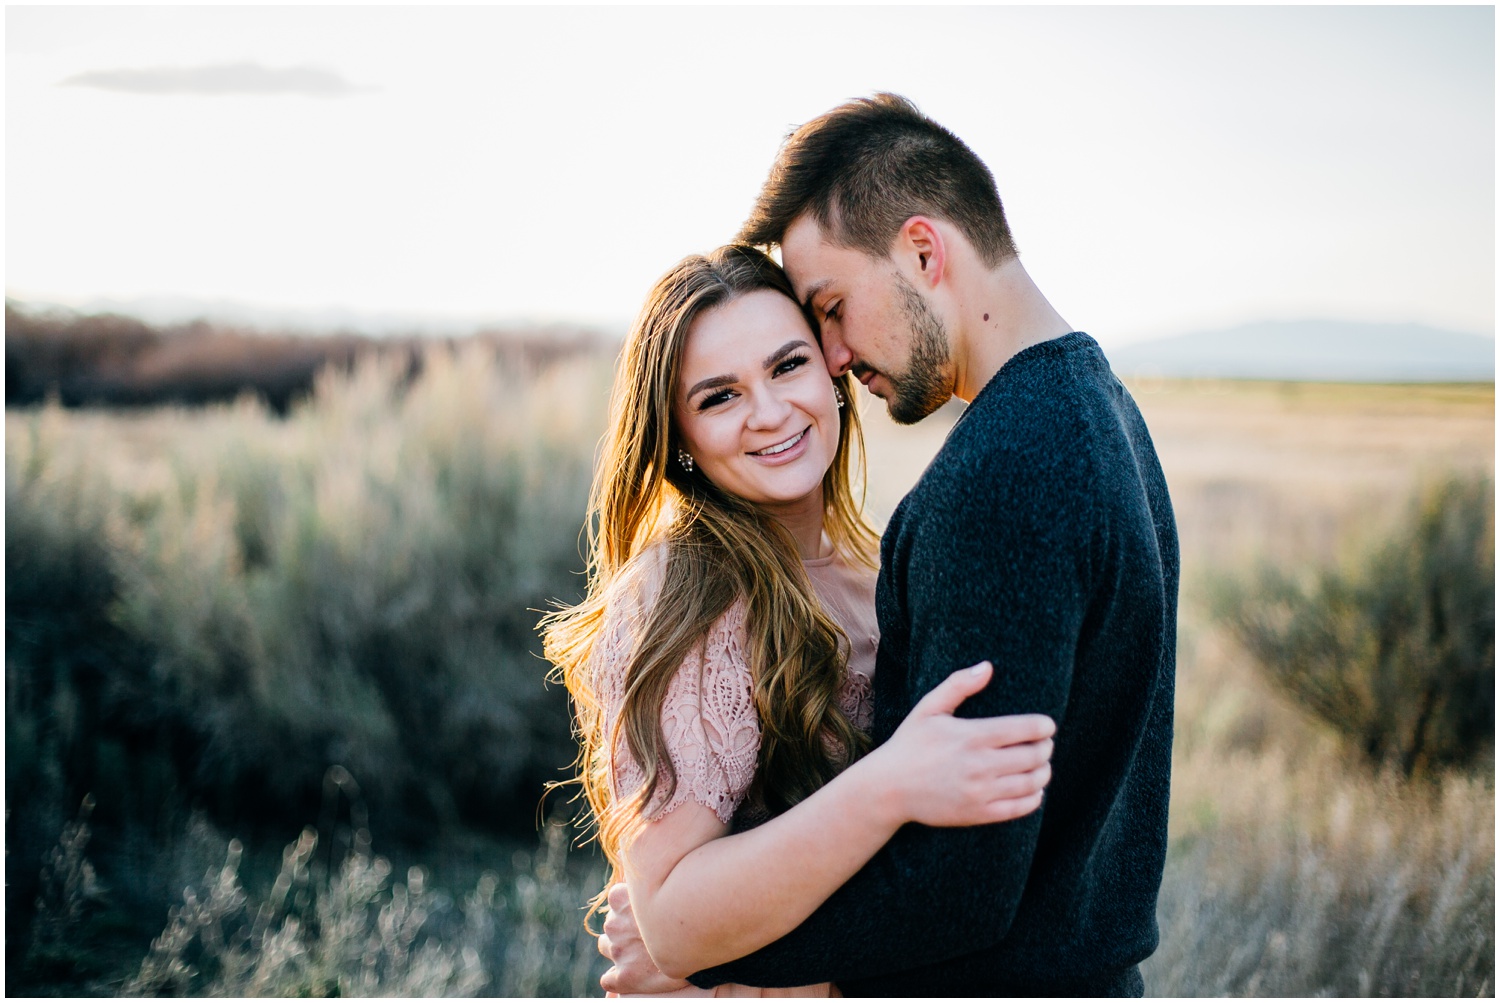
x,y
1395,647
1294,868
209,608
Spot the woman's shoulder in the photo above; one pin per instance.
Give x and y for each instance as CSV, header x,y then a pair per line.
x,y
632,597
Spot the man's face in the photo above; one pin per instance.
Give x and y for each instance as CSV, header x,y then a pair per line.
x,y
873,322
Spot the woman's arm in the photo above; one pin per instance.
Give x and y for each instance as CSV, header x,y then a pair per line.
x,y
703,897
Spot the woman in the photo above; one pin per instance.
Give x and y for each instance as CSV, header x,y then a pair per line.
x,y
720,666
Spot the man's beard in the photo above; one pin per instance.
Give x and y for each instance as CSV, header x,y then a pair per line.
x,y
927,383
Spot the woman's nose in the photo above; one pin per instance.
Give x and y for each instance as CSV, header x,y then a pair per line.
x,y
768,409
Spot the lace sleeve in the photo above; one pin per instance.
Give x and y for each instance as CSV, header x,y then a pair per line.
x,y
708,717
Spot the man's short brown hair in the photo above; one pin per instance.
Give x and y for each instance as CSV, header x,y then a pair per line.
x,y
865,168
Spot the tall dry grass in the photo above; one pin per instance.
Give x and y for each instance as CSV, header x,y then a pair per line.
x,y
213,605
208,608
332,924
1294,869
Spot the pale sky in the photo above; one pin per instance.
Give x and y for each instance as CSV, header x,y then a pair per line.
x,y
1164,169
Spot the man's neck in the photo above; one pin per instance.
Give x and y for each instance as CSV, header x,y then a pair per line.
x,y
1000,312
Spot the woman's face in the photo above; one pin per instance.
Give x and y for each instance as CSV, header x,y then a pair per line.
x,y
755,405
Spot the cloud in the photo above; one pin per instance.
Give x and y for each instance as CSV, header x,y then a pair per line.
x,y
228,78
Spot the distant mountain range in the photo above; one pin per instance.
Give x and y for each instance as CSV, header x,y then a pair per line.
x,y
1326,350
1321,350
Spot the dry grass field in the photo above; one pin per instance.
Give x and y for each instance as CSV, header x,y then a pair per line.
x,y
359,537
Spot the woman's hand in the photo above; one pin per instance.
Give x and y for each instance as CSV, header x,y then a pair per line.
x,y
632,972
951,771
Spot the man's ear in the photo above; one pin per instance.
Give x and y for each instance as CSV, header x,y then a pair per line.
x,y
920,245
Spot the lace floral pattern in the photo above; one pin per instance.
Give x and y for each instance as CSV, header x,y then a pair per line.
x,y
709,722
856,698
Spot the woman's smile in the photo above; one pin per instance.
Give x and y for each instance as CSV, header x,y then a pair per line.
x,y
785,450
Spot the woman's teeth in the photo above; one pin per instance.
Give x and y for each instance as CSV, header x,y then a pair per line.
x,y
783,447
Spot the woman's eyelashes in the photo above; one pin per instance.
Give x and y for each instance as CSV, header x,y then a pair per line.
x,y
787,365
713,400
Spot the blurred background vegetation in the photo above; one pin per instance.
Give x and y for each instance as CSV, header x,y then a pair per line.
x,y
259,586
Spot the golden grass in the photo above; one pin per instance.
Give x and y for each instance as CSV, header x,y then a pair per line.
x,y
1292,869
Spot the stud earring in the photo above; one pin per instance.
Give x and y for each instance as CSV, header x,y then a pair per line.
x,y
686,459
838,395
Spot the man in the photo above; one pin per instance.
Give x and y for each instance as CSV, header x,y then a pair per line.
x,y
1041,538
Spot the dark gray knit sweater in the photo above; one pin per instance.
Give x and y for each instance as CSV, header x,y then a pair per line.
x,y
1041,538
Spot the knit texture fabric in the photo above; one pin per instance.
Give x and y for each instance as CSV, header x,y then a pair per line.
x,y
1041,538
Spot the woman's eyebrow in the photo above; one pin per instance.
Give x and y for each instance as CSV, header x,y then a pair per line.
x,y
783,352
729,378
711,383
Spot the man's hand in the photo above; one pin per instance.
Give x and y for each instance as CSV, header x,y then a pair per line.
x,y
634,971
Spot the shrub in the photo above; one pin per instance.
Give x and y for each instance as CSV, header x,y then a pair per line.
x,y
353,931
551,952
68,668
354,934
258,599
1396,648
69,893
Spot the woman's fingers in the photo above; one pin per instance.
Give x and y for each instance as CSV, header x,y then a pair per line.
x,y
1013,769
1019,758
968,771
1021,785
945,697
1008,809
1014,729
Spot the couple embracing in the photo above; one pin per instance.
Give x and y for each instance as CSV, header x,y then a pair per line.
x,y
819,779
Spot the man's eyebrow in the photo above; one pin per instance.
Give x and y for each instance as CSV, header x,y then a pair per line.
x,y
783,352
711,382
812,293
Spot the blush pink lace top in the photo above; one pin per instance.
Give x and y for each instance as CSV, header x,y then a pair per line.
x,y
708,718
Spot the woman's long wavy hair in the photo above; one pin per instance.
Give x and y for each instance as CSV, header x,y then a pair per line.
x,y
718,548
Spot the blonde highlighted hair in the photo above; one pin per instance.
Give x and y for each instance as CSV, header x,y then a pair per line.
x,y
718,548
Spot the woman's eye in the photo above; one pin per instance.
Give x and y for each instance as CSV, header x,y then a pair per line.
x,y
714,400
787,365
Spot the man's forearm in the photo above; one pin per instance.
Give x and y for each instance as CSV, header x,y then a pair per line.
x,y
932,894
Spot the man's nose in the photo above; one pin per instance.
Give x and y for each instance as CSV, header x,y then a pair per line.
x,y
836,354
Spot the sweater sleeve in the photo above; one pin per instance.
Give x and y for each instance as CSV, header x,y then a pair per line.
x,y
993,564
